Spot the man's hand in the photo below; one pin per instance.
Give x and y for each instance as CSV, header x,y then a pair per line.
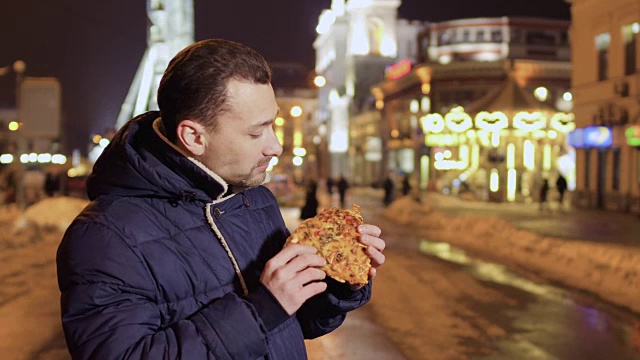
x,y
369,235
292,276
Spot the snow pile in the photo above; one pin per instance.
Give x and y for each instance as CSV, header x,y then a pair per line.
x,y
52,213
610,271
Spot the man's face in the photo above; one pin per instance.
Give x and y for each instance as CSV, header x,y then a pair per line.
x,y
241,147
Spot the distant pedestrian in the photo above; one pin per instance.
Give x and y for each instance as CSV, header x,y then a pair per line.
x,y
330,185
51,184
544,192
11,188
561,186
389,190
310,207
406,185
343,185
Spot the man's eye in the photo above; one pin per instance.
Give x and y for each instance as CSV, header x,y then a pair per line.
x,y
255,136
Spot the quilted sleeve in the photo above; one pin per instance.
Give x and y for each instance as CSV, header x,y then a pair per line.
x,y
109,308
325,312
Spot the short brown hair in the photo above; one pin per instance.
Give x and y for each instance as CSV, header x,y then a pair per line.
x,y
195,82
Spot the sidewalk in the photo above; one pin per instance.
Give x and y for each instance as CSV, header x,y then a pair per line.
x,y
575,224
567,223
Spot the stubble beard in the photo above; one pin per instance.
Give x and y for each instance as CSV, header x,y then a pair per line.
x,y
250,181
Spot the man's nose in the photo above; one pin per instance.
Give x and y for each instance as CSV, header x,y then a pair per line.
x,y
274,148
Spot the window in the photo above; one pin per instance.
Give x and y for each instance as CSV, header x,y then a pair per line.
x,y
602,47
480,36
466,36
545,38
587,168
515,37
445,38
564,38
629,36
615,181
496,36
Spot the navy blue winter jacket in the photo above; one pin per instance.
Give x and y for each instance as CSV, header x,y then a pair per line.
x,y
144,273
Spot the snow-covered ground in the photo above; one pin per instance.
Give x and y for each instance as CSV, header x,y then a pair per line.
x,y
30,312
607,270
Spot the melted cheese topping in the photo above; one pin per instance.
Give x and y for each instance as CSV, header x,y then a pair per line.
x,y
334,234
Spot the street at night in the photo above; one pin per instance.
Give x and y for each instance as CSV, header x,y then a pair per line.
x,y
423,307
155,156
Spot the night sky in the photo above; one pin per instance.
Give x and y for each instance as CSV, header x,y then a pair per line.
x,y
94,47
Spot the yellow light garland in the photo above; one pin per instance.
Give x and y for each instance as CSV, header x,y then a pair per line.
x,y
529,121
457,120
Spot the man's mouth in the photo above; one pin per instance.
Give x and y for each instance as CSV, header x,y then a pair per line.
x,y
264,163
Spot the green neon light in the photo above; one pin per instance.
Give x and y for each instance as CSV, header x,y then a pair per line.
x,y
631,140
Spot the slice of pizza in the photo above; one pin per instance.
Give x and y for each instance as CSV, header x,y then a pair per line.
x,y
334,233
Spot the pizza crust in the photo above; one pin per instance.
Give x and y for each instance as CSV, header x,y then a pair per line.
x,y
333,232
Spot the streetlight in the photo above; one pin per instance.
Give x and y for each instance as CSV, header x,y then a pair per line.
x,y
296,111
319,81
19,67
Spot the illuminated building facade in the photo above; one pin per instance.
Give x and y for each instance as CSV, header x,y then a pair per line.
x,y
303,143
356,40
170,29
606,88
487,110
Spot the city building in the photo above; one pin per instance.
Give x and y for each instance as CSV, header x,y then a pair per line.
x,y
357,40
486,108
303,141
605,85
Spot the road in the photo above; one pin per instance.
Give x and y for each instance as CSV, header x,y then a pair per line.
x,y
423,307
466,308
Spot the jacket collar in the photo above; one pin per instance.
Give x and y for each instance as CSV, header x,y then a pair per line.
x,y
158,127
140,162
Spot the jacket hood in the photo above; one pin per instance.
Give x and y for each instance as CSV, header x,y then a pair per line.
x,y
140,163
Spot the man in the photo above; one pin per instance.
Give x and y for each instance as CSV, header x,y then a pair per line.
x,y
343,185
180,253
561,186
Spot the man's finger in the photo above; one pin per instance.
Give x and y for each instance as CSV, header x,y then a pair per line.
x,y
304,261
288,253
373,241
377,258
369,230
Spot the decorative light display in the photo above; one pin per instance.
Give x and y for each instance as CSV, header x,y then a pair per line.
x,y
457,120
425,104
563,122
414,106
529,140
529,121
546,157
433,123
511,184
528,155
494,121
494,181
511,156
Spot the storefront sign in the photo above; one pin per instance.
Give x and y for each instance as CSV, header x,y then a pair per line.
x,y
633,135
591,137
598,136
576,138
399,69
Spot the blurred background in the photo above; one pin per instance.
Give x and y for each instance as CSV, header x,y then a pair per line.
x,y
495,143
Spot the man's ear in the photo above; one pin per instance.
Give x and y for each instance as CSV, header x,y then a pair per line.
x,y
192,136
